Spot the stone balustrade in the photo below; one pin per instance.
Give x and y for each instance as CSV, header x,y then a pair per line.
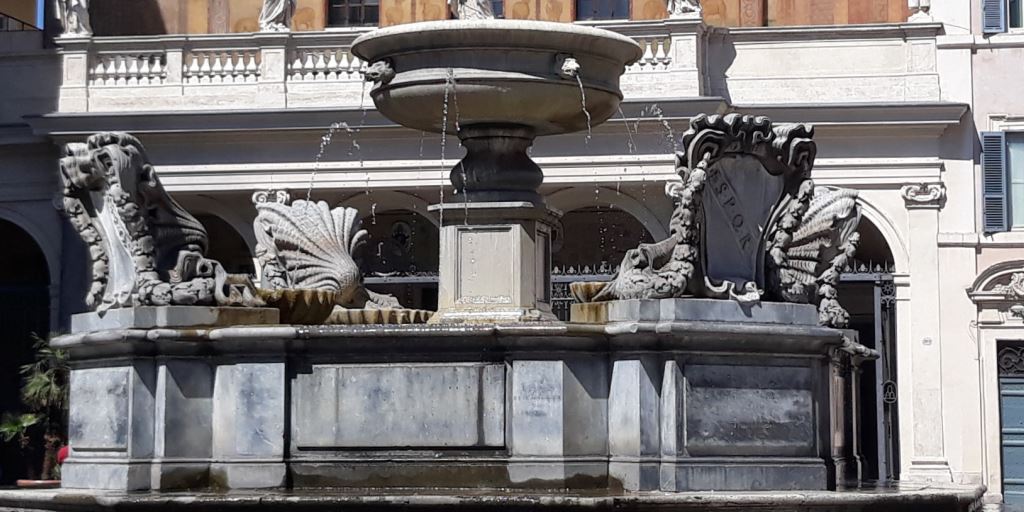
x,y
682,58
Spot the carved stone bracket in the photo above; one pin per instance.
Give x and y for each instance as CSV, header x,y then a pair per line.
x,y
924,195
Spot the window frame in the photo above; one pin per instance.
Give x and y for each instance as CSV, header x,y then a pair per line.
x,y
1011,137
350,26
1011,126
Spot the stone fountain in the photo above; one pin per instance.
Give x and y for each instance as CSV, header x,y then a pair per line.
x,y
500,84
716,360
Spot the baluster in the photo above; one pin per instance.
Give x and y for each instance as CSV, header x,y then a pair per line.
x,y
133,69
192,70
251,69
321,66
204,69
648,57
98,72
297,66
332,65
122,70
216,70
344,64
659,55
157,69
229,67
144,76
110,75
308,66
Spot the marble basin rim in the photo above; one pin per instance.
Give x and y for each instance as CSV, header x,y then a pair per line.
x,y
505,72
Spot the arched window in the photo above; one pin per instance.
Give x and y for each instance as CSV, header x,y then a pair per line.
x,y
602,10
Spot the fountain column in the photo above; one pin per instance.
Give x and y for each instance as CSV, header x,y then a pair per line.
x,y
496,237
497,84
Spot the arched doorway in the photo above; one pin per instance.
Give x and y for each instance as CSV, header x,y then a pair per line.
x,y
227,246
24,314
868,293
400,257
588,247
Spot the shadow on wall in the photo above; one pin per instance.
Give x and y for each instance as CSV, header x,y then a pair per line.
x,y
720,56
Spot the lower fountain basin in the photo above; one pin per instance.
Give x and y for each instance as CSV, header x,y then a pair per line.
x,y
722,401
505,72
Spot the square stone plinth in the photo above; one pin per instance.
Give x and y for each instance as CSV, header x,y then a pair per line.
x,y
495,262
693,310
151,317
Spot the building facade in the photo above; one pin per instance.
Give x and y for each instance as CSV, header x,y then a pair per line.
x,y
913,105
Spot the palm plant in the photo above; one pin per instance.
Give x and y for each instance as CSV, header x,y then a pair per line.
x,y
44,392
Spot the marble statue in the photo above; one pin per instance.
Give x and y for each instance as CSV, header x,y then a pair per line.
x,y
683,8
74,16
748,223
276,15
145,249
308,245
471,9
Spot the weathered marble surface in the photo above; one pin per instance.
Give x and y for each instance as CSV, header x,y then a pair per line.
x,y
172,316
483,406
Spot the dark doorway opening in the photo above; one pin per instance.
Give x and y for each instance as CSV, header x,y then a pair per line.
x,y
24,314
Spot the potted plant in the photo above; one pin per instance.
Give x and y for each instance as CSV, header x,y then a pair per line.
x,y
44,393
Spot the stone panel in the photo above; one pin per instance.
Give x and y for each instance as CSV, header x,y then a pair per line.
x,y
749,410
381,406
559,407
99,418
259,409
480,250
184,409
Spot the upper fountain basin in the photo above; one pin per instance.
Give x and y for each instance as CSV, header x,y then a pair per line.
x,y
504,72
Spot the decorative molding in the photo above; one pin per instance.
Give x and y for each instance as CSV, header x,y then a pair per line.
x,y
924,195
1014,290
999,293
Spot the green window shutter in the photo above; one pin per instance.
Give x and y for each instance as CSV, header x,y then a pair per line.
x,y
993,177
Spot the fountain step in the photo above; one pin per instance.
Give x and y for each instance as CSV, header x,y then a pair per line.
x,y
903,497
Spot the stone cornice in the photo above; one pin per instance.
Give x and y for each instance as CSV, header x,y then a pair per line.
x,y
823,32
914,118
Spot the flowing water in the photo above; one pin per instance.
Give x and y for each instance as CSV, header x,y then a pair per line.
x,y
444,137
325,141
450,81
583,102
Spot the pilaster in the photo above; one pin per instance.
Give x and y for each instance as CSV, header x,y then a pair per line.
x,y
74,88
921,390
